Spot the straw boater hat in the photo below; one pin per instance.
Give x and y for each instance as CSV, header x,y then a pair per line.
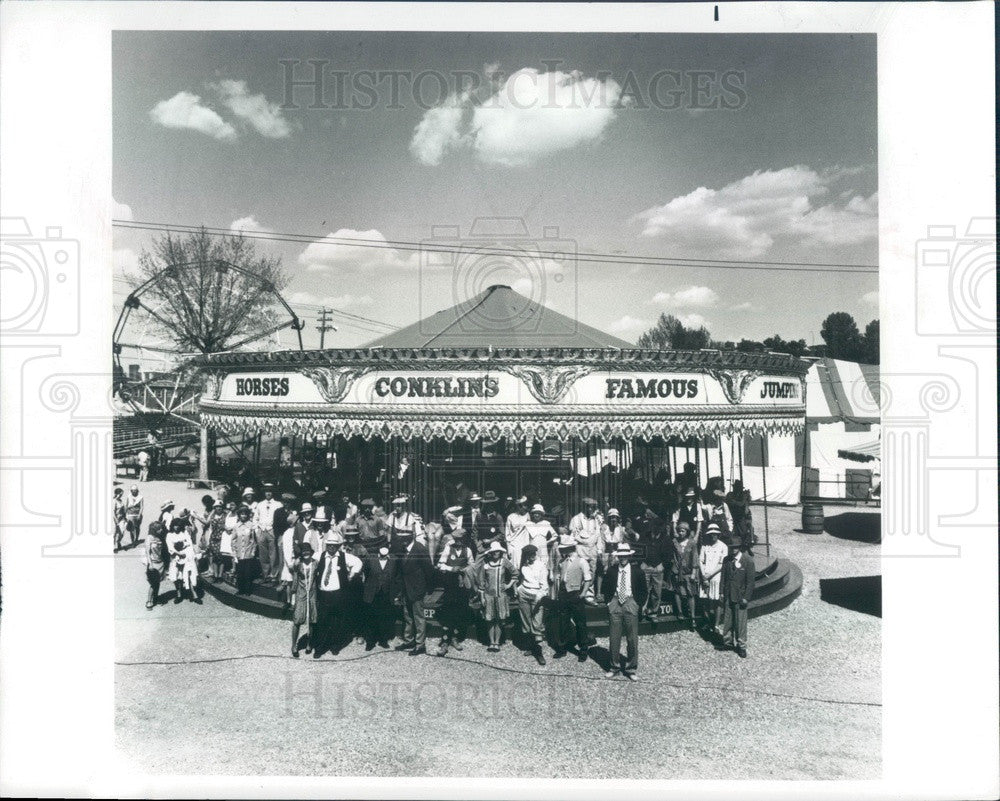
x,y
623,549
320,516
247,491
288,497
538,508
474,497
267,485
333,537
399,499
522,500
566,542
713,527
613,513
167,505
489,497
351,531
495,547
368,502
689,493
307,507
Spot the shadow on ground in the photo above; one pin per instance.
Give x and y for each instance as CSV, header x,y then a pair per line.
x,y
856,526
858,593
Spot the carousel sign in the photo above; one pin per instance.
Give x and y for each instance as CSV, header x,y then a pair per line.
x,y
512,386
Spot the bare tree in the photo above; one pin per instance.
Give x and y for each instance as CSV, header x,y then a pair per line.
x,y
199,293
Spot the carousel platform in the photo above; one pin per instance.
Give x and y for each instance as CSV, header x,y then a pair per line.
x,y
779,582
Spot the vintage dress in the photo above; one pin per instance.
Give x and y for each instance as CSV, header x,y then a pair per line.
x,y
304,593
492,579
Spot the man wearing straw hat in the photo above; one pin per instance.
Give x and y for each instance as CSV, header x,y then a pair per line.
x,y
338,578
624,591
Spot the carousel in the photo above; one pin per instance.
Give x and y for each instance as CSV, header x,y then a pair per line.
x,y
502,394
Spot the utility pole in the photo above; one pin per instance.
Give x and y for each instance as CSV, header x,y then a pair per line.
x,y
324,325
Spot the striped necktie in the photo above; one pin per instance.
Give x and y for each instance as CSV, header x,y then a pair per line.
x,y
622,592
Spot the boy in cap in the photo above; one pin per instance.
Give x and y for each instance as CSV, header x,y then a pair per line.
x,y
624,590
572,581
587,529
400,523
738,576
684,574
532,589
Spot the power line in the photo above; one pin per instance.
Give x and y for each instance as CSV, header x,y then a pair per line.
x,y
469,247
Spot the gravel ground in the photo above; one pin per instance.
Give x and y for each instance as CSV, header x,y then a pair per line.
x,y
210,690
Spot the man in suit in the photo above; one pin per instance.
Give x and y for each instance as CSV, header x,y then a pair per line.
x,y
738,574
624,590
338,581
379,612
413,575
572,581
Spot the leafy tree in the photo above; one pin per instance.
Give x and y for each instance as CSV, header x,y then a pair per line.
x,y
749,346
796,347
669,333
872,342
842,338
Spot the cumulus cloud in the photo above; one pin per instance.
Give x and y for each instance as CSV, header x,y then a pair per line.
x,y
265,117
629,326
746,218
247,224
121,211
347,250
530,115
185,110
690,297
692,320
439,131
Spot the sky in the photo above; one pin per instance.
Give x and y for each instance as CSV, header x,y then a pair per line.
x,y
744,148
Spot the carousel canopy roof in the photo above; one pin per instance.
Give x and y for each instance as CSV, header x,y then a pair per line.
x,y
498,317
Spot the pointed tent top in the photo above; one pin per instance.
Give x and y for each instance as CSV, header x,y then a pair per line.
x,y
499,317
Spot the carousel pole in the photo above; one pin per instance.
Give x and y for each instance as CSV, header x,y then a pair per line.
x,y
763,469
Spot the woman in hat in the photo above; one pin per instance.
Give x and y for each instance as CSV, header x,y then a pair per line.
x,y
454,562
303,574
245,551
155,559
495,576
540,532
532,590
713,554
215,526
516,530
166,513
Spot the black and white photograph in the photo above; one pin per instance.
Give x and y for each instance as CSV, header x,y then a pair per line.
x,y
504,403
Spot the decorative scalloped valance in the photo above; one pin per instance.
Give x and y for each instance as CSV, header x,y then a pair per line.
x,y
382,427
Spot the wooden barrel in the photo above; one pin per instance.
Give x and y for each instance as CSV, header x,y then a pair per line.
x,y
812,517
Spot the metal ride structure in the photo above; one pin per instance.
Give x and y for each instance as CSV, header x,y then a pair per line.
x,y
153,375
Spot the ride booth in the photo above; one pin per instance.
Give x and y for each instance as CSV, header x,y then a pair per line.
x,y
502,394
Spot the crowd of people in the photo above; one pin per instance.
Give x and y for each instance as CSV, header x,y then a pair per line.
x,y
346,570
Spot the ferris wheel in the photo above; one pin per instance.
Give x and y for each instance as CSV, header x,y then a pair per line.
x,y
184,311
